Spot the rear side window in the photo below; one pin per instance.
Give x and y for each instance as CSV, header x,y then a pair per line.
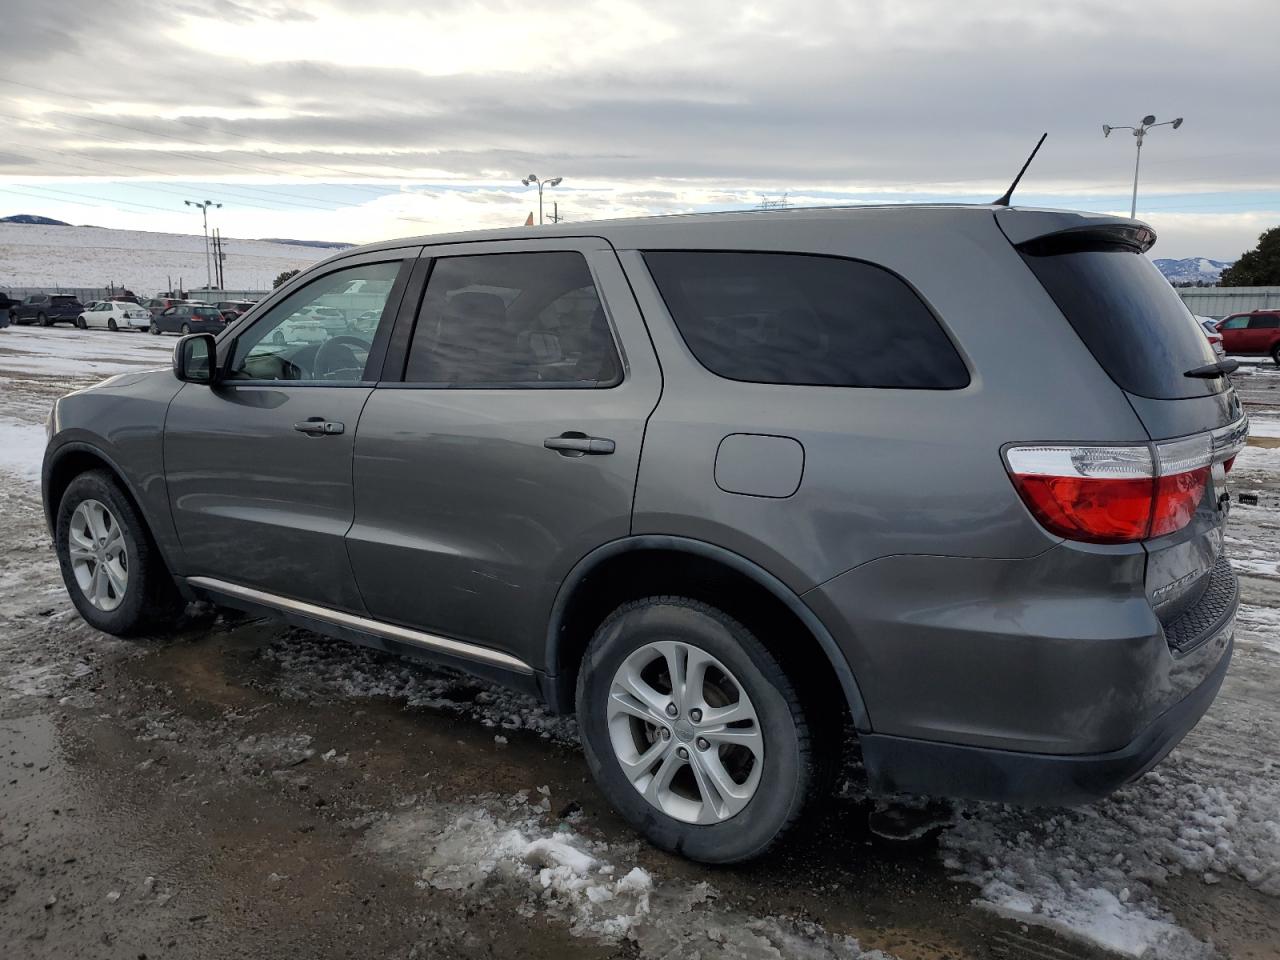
x,y
1264,323
805,320
1128,316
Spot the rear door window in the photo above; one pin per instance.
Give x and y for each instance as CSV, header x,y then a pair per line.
x,y
1127,314
807,320
513,320
1264,323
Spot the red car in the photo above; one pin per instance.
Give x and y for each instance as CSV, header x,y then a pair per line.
x,y
1256,333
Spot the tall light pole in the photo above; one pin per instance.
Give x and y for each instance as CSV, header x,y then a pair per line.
x,y
1140,132
204,210
533,178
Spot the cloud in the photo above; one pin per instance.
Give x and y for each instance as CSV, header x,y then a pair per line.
x,y
664,103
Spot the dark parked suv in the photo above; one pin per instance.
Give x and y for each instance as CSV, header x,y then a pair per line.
x,y
47,309
726,485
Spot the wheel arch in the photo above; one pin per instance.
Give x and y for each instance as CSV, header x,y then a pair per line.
x,y
650,564
63,464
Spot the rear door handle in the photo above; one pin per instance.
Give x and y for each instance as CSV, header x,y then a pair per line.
x,y
574,444
319,427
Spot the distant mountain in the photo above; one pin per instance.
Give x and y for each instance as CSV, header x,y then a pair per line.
x,y
322,244
1193,270
32,218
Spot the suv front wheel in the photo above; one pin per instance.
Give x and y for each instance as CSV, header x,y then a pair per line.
x,y
113,573
692,730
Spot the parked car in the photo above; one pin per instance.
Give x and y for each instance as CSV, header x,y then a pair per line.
x,y
158,305
299,331
1210,328
727,486
47,309
331,318
114,315
1252,334
7,305
234,309
189,318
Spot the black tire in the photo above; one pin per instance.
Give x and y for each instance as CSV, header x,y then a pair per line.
x,y
1275,354
43,320
155,330
81,324
150,597
186,329
111,324
788,772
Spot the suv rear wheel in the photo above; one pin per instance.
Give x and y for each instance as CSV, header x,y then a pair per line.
x,y
1275,354
692,730
113,573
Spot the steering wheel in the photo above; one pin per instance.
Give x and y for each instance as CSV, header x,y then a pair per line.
x,y
327,361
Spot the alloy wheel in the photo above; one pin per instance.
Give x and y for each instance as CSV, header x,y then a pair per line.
x,y
99,558
685,732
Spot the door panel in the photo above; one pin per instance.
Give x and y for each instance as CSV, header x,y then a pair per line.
x,y
466,521
256,502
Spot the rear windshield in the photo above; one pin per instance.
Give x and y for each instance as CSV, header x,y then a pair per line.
x,y
1128,316
64,299
206,311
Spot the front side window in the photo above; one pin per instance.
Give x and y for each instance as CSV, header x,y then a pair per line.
x,y
314,333
805,320
1234,323
513,320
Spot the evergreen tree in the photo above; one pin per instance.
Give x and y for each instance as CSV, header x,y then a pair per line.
x,y
1259,267
284,278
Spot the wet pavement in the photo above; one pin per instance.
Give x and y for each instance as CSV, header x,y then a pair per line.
x,y
242,789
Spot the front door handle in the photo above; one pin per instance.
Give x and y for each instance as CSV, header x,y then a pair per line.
x,y
574,444
319,427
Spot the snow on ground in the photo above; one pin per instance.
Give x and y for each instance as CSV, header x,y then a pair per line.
x,y
1263,426
33,255
21,449
504,845
68,352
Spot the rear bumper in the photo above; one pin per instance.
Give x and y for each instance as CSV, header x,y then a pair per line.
x,y
906,765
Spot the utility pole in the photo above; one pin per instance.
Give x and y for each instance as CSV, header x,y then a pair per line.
x,y
204,206
555,211
218,258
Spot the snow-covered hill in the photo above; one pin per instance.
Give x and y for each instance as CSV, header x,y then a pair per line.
x,y
1193,269
32,255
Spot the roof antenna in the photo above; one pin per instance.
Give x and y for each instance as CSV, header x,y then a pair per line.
x,y
1008,194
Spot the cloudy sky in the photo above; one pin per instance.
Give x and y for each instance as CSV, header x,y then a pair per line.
x,y
329,119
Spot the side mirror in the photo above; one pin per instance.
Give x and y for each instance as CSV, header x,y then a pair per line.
x,y
195,359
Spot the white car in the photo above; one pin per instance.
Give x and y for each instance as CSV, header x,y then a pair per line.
x,y
1210,328
114,315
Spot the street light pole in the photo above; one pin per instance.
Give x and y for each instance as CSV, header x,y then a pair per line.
x,y
204,211
533,178
1140,133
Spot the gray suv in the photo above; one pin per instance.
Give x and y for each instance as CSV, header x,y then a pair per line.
x,y
730,486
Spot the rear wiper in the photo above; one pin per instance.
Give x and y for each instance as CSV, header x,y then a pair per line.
x,y
1210,370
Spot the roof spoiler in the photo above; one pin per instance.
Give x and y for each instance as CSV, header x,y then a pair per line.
x,y
1051,231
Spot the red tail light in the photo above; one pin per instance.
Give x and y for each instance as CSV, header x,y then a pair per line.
x,y
1117,494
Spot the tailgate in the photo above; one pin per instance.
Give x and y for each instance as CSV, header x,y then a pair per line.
x,y
1145,338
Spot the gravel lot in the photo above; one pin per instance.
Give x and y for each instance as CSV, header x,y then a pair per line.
x,y
240,789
